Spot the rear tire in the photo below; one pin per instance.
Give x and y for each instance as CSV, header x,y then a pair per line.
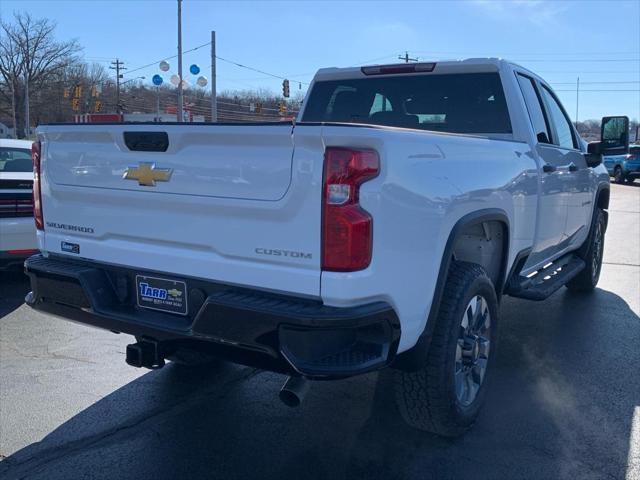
x,y
618,177
445,395
587,279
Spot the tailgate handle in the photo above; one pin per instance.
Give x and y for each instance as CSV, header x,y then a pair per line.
x,y
146,141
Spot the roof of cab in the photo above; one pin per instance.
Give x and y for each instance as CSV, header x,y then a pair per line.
x,y
469,65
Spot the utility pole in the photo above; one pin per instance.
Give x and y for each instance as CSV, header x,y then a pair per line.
x,y
117,66
157,104
27,123
406,58
577,99
180,95
214,104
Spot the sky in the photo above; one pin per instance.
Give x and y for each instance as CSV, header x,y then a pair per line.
x,y
598,41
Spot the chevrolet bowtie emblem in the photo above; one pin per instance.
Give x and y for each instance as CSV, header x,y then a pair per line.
x,y
147,174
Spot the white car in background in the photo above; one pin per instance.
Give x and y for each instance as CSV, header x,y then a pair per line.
x,y
17,228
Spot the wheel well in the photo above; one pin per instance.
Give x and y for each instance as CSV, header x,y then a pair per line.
x,y
603,199
484,243
482,238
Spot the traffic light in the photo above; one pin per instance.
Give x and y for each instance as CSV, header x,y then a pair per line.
x,y
77,91
94,91
281,108
259,107
97,106
285,88
75,104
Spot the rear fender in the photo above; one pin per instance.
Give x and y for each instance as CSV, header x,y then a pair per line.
x,y
415,358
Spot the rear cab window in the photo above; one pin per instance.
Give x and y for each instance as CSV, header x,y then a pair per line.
x,y
15,160
469,103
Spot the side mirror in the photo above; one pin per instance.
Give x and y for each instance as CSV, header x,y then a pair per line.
x,y
594,154
614,134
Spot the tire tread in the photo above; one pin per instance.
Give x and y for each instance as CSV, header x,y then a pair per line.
x,y
421,398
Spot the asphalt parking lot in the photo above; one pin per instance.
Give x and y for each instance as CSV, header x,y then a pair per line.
x,y
564,400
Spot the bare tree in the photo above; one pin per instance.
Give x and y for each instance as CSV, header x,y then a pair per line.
x,y
29,57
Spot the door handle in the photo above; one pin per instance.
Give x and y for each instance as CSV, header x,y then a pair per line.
x,y
548,168
572,167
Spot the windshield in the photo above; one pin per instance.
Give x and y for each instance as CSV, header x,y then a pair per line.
x,y
15,160
457,103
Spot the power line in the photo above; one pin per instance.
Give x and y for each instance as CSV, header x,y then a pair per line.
x,y
219,58
565,60
391,55
167,58
596,83
608,72
599,90
257,70
635,52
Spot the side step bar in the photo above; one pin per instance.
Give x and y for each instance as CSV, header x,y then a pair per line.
x,y
547,280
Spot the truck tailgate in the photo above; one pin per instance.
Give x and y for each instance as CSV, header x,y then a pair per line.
x,y
234,203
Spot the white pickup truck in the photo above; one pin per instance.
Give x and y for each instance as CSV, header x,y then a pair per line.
x,y
381,229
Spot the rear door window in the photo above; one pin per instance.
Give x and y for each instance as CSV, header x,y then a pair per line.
x,y
458,103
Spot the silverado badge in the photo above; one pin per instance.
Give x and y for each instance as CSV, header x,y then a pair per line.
x,y
147,174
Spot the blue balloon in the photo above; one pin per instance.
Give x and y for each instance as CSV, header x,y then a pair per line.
x,y
194,69
157,79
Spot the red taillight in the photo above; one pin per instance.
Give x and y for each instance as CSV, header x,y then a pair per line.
x,y
37,197
346,227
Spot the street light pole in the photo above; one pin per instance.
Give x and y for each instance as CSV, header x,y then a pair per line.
x,y
180,96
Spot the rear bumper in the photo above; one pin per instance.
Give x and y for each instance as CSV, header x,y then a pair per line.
x,y
273,332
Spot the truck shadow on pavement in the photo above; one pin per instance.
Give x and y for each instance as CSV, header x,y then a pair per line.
x,y
560,405
14,285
